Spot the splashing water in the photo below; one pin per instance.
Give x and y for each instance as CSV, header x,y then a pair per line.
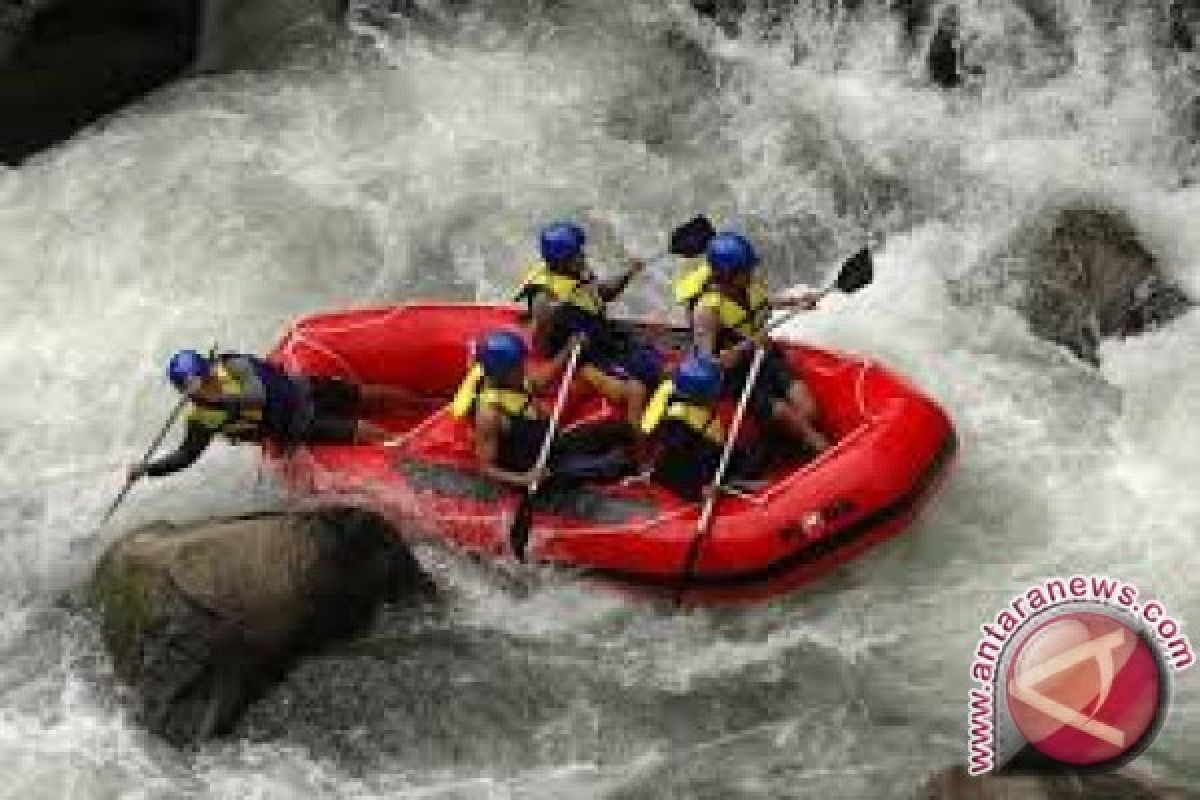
x,y
414,159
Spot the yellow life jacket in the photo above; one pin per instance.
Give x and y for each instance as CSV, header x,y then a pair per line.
x,y
565,289
692,282
243,423
695,289
663,405
475,392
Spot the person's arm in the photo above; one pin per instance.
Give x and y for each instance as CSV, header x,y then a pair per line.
x,y
804,298
543,321
487,450
541,376
195,441
611,288
706,325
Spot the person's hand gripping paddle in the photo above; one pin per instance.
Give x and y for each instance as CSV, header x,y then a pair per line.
x,y
518,534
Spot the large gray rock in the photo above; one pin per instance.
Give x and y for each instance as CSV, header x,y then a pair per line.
x,y
942,58
1078,274
66,63
201,618
1184,22
241,34
955,784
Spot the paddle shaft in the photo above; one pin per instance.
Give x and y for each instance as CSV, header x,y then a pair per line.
x,y
739,413
560,403
704,526
158,440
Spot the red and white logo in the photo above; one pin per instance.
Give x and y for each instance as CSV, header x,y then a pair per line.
x,y
1073,673
1084,688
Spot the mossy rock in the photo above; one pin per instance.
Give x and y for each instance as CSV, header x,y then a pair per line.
x,y
201,618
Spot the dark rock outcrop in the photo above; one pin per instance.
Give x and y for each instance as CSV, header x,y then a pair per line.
x,y
1184,24
955,784
942,57
200,619
1078,275
67,63
250,34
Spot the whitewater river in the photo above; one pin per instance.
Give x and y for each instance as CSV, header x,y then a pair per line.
x,y
415,159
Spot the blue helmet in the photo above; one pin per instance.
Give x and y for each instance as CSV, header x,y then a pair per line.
x,y
731,253
561,241
698,376
500,351
185,366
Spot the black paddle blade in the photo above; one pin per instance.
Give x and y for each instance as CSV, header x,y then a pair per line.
x,y
522,524
857,271
692,237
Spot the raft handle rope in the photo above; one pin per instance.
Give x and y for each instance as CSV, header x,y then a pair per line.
x,y
297,337
749,497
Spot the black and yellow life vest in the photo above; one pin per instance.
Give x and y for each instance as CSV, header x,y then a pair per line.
x,y
696,289
580,293
665,404
476,392
246,423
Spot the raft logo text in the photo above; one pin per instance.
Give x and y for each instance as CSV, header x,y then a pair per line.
x,y
1056,598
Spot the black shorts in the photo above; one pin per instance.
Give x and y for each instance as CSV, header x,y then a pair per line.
x,y
332,413
330,430
774,383
334,397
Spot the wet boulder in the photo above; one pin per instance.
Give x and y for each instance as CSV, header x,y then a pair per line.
x,y
201,618
1184,24
942,57
955,784
66,63
1078,275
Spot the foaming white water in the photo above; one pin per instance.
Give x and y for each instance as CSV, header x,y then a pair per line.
x,y
416,166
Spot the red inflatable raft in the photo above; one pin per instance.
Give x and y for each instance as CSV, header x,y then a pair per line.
x,y
892,446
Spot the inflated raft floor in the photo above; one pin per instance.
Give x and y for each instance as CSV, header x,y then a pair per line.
x,y
892,445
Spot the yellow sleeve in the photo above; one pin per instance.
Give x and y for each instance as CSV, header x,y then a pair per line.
x,y
692,282
657,406
467,390
710,301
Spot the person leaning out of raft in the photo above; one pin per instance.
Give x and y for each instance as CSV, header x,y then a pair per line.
x,y
564,297
243,398
729,307
498,396
682,420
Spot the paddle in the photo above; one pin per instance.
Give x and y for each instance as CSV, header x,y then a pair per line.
x,y
518,534
158,440
692,237
856,272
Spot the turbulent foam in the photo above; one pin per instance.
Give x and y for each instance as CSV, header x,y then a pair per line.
x,y
405,164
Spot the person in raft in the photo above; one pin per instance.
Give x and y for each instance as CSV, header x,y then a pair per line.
x,y
245,398
729,307
682,419
564,298
498,398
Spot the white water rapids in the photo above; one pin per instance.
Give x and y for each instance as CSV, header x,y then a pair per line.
x,y
415,160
